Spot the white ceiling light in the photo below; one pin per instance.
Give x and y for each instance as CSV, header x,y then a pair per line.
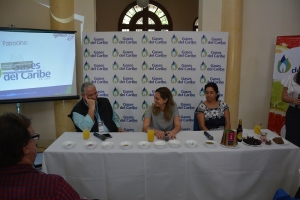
x,y
142,3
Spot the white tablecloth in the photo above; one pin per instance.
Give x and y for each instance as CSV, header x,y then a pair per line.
x,y
183,173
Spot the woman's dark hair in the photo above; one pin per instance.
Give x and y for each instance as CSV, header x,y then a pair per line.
x,y
14,135
214,86
165,93
297,76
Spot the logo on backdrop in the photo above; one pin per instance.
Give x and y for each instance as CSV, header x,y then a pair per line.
x,y
186,80
202,79
144,92
128,67
174,92
186,118
158,67
203,53
144,79
86,40
115,92
144,52
115,79
116,105
283,65
101,93
157,80
86,66
99,67
186,93
128,118
115,53
186,106
128,93
128,80
216,54
86,53
145,39
214,67
214,40
128,106
174,53
201,92
174,79
157,40
186,67
174,39
99,54
115,66
144,105
86,78
217,81
144,66
99,41
204,39
99,80
185,40
155,53
203,66
174,66
115,39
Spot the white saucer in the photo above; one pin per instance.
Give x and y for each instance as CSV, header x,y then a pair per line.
x,y
68,144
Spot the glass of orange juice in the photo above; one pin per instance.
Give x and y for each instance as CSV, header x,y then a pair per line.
x,y
86,133
150,132
257,128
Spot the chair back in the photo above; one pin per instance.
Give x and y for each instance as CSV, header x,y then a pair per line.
x,y
196,125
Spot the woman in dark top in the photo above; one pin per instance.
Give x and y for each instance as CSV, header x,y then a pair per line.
x,y
212,114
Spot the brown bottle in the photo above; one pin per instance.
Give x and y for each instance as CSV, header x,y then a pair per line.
x,y
239,132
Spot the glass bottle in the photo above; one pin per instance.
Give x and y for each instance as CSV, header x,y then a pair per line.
x,y
239,132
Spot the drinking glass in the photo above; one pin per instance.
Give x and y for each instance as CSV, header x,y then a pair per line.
x,y
150,132
86,133
257,128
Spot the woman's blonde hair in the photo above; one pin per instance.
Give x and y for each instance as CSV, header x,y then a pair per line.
x,y
165,93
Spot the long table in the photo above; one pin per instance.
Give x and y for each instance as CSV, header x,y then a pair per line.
x,y
174,173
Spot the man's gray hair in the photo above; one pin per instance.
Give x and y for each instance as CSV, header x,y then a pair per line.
x,y
85,85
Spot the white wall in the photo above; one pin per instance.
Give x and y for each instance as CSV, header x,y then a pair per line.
x,y
263,20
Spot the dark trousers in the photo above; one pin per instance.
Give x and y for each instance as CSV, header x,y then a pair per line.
x,y
292,125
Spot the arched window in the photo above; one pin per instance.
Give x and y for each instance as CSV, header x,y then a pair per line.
x,y
195,25
154,17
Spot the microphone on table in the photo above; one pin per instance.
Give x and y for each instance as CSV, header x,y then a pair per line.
x,y
210,137
297,106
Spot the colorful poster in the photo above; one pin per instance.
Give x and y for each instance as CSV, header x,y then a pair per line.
x,y
127,67
287,61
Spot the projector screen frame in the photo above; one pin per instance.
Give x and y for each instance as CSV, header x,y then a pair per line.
x,y
39,99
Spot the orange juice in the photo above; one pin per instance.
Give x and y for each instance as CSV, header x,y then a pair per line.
x,y
150,132
86,134
257,128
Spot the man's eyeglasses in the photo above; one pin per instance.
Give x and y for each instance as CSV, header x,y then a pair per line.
x,y
36,136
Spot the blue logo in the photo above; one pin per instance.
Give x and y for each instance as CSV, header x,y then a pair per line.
x,y
214,40
116,105
216,54
99,41
128,119
128,80
174,66
86,78
203,66
202,79
174,39
186,80
174,92
283,65
86,40
144,92
99,80
144,39
217,81
86,66
86,53
186,93
144,66
116,92
186,106
115,39
173,79
128,106
203,53
115,66
115,79
144,53
115,53
144,105
186,67
128,93
144,79
203,39
174,53
201,92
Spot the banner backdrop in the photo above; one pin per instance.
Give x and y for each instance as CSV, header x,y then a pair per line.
x,y
287,61
127,67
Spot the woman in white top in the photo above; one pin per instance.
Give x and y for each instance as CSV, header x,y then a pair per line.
x,y
291,95
163,116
